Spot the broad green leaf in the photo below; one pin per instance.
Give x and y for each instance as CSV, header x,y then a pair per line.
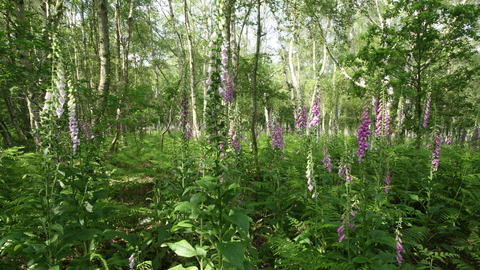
x,y
377,236
414,197
234,186
247,265
198,198
180,267
233,252
52,240
208,183
57,227
200,251
184,224
109,234
87,234
184,207
183,248
241,220
163,232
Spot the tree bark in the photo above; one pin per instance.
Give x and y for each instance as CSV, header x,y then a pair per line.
x,y
254,86
191,58
295,79
7,138
33,97
104,54
12,111
122,79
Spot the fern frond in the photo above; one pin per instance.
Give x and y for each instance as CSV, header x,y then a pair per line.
x,y
291,255
415,235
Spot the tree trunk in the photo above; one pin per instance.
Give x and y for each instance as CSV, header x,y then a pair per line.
x,y
7,141
295,79
104,54
12,111
123,78
33,98
254,86
191,58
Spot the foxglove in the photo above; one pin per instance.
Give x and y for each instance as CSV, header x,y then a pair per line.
x,y
225,78
301,118
72,121
131,261
314,117
363,134
427,110
387,182
436,150
400,249
277,136
327,162
382,118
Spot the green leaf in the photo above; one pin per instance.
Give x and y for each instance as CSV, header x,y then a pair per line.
x,y
87,234
163,232
361,259
414,197
17,247
180,267
184,224
247,265
303,238
57,227
377,236
52,240
234,186
208,183
183,248
241,220
233,252
197,198
184,207
200,251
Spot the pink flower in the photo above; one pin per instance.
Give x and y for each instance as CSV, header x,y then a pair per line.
x,y
344,173
327,163
88,132
363,134
427,110
235,141
277,137
131,261
400,249
225,78
314,117
341,234
436,151
301,118
387,182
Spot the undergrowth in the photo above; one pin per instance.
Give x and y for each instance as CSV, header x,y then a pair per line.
x,y
131,205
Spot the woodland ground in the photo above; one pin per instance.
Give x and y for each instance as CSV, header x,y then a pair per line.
x,y
436,214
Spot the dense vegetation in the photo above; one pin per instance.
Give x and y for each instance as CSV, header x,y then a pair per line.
x,y
239,134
